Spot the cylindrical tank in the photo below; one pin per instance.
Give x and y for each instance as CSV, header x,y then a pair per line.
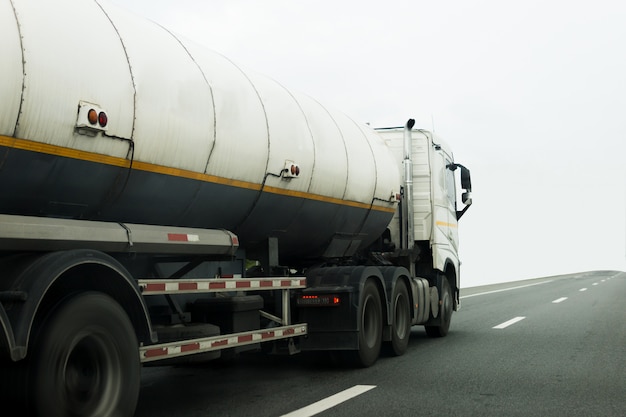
x,y
191,139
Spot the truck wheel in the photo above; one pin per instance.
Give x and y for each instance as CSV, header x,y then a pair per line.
x,y
401,319
370,327
445,312
86,360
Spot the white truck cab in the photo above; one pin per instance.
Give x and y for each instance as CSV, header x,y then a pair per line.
x,y
431,192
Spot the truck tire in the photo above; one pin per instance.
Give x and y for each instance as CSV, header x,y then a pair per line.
x,y
400,320
445,312
370,327
85,360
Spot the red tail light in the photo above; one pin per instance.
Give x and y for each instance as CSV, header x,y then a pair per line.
x,y
321,300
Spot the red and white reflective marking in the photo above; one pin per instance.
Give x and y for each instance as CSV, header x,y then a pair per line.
x,y
182,237
181,286
188,347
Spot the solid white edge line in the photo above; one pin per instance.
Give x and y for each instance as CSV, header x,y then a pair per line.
x,y
508,323
504,289
333,400
559,300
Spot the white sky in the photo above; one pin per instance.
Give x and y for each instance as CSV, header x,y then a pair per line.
x,y
530,94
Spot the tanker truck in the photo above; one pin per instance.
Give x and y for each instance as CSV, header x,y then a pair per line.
x,y
161,205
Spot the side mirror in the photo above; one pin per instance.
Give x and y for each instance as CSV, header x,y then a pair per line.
x,y
466,184
466,180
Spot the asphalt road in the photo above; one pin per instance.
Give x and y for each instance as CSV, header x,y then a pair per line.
x,y
547,347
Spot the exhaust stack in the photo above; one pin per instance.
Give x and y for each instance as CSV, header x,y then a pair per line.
x,y
407,203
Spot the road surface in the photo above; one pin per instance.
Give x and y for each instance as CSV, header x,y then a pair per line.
x,y
553,346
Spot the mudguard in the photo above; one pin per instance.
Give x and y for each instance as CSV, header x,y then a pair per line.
x,y
45,279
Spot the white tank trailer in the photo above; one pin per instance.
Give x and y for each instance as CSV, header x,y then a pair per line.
x,y
161,205
191,139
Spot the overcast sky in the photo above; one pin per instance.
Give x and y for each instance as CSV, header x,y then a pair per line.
x,y
530,94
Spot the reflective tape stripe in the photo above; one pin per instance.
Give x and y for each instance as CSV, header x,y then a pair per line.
x,y
154,286
183,348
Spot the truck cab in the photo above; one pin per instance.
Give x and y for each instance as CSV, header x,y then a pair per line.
x,y
431,198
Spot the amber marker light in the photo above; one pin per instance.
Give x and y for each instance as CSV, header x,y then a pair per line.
x,y
92,116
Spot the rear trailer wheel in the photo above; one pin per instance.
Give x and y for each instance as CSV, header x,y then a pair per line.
x,y
86,361
401,319
445,312
370,327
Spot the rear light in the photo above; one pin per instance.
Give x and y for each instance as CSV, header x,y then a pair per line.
x,y
324,300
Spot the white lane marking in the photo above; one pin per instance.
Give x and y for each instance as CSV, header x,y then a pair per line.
x,y
508,323
505,289
559,300
333,400
582,289
595,283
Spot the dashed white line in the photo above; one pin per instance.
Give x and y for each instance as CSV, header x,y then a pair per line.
x,y
333,400
559,300
595,283
582,289
508,323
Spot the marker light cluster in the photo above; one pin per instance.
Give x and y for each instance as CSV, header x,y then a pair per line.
x,y
91,119
291,170
94,117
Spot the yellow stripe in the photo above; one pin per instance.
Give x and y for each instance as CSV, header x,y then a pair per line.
x,y
28,145
192,175
317,197
446,224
